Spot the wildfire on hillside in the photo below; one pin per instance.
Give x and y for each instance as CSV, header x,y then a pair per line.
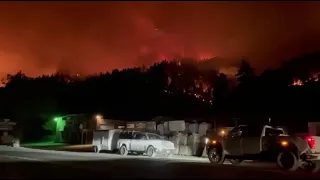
x,y
297,82
197,88
314,77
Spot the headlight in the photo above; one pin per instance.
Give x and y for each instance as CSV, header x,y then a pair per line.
x,y
210,141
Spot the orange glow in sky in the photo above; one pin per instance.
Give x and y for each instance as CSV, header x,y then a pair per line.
x,y
90,37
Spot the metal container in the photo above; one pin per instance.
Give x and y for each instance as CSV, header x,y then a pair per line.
x,y
106,140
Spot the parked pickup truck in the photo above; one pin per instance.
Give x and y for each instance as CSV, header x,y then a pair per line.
x,y
141,142
264,143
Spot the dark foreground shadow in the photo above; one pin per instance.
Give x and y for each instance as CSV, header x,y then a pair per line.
x,y
136,168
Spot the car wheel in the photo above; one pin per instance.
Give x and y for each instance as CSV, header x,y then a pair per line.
x,y
236,161
123,150
287,161
151,151
215,156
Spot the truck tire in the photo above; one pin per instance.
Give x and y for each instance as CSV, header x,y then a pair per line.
x,y
216,156
151,151
236,161
287,160
123,150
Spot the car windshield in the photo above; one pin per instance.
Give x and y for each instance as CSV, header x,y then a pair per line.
x,y
154,136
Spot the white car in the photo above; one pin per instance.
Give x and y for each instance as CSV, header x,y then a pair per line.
x,y
141,142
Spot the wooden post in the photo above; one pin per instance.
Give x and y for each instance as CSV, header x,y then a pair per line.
x,y
81,130
82,137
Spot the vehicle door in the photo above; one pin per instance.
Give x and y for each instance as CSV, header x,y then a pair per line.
x,y
270,137
251,140
232,143
124,138
138,142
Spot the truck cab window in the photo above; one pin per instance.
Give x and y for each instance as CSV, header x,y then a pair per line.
x,y
235,132
251,131
273,132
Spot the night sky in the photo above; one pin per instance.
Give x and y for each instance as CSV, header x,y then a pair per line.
x,y
90,37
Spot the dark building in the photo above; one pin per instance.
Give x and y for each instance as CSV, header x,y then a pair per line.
x,y
7,131
79,128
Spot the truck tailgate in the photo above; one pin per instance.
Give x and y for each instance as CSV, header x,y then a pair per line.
x,y
317,144
313,141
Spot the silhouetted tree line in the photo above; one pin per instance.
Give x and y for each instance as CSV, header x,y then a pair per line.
x,y
289,94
